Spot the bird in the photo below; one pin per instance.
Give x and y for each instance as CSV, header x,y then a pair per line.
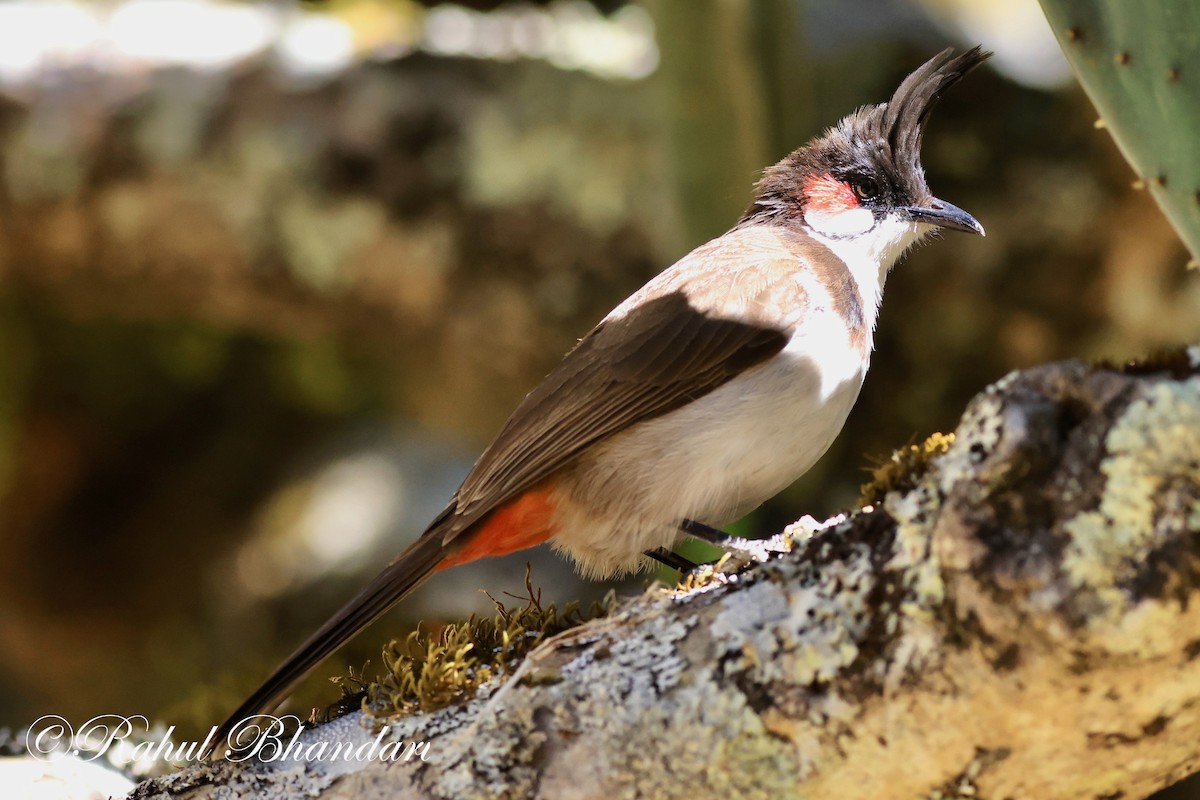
x,y
707,391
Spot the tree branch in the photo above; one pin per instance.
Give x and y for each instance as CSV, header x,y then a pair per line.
x,y
1024,622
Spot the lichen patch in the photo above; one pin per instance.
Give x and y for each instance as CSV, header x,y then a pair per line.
x,y
1156,440
977,435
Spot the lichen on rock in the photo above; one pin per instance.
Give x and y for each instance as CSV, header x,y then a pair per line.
x,y
1016,618
1155,443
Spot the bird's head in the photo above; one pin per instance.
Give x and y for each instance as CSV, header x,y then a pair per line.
x,y
860,186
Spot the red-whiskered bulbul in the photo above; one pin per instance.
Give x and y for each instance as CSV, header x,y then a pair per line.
x,y
709,390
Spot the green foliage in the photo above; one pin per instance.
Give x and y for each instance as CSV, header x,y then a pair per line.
x,y
1140,65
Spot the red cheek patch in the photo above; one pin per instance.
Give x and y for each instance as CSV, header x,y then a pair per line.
x,y
828,195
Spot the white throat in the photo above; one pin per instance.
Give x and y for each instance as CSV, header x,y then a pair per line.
x,y
869,247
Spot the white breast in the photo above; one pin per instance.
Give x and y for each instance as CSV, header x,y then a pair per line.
x,y
716,458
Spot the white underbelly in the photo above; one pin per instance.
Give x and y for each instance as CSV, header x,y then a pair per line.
x,y
714,459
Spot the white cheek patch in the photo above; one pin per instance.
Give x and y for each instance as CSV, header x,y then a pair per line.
x,y
840,224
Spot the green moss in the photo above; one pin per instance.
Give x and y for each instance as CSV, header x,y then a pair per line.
x,y
704,576
427,671
901,471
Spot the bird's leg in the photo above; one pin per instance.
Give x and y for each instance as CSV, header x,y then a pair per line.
x,y
671,559
705,533
751,548
747,548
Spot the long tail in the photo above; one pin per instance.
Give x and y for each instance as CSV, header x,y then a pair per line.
x,y
404,574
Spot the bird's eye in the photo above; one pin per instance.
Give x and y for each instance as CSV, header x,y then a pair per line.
x,y
865,188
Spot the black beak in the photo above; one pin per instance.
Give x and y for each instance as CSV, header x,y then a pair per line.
x,y
944,215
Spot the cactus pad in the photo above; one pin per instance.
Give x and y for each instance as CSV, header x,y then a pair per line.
x,y
1139,63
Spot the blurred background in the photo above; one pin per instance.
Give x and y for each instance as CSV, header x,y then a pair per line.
x,y
272,274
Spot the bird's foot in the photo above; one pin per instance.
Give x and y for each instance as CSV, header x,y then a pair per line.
x,y
741,549
671,559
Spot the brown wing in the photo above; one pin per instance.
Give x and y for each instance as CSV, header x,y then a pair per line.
x,y
658,357
662,353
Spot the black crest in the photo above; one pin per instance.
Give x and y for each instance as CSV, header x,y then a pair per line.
x,y
901,121
880,142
